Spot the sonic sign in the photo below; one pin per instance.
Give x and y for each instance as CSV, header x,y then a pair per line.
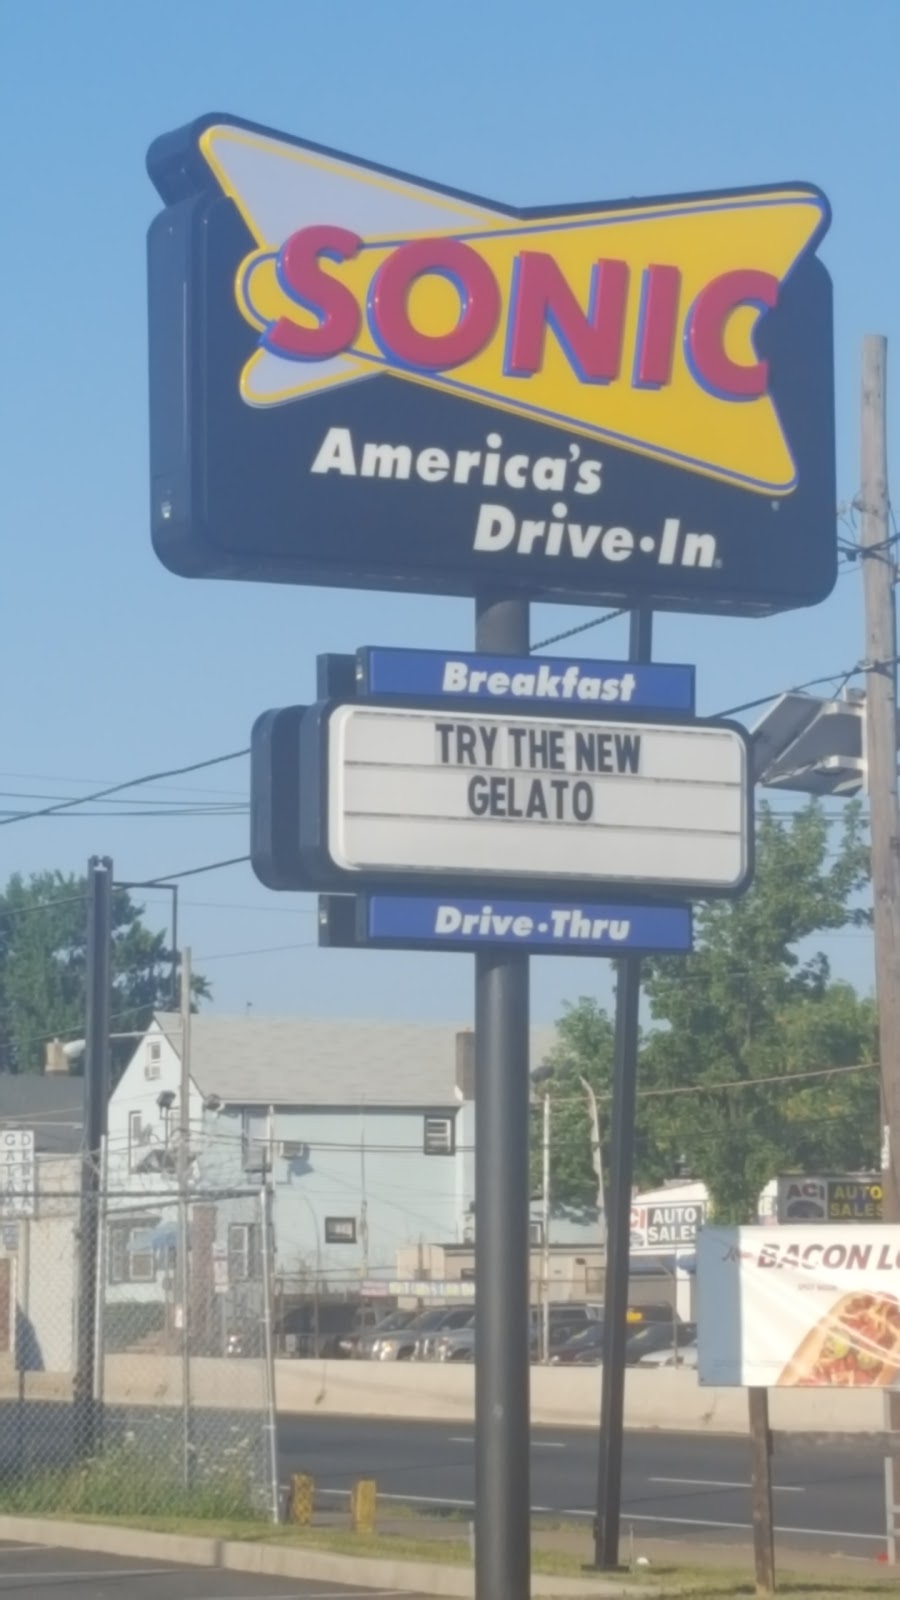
x,y
361,378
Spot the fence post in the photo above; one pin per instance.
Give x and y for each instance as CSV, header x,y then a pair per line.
x,y
271,1411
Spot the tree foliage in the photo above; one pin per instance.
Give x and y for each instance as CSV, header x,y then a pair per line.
x,y
751,1008
584,1054
43,958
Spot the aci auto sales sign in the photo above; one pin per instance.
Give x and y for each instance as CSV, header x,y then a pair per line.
x,y
365,379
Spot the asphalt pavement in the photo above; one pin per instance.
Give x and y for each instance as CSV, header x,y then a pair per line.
x,y
43,1574
675,1485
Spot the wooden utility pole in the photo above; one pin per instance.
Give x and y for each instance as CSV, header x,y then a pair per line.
x,y
879,556
761,1479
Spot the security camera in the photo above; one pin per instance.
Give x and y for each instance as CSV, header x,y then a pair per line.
x,y
165,1100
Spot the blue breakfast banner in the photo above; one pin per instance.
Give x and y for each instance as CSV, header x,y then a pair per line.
x,y
647,686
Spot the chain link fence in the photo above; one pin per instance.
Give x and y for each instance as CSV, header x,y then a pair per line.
x,y
136,1371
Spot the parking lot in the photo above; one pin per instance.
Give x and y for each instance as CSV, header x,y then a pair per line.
x,y
44,1574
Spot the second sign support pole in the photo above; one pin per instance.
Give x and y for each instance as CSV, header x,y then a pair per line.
x,y
502,1257
618,1235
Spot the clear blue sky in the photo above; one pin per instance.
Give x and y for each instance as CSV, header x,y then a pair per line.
x,y
111,667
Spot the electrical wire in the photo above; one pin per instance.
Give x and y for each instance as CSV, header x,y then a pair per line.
x,y
193,872
117,788
264,950
582,627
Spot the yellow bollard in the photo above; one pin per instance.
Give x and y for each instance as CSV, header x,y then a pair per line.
x,y
363,1499
303,1491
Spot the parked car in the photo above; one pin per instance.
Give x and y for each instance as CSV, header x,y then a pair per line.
x,y
459,1344
394,1322
458,1324
686,1356
655,1311
401,1344
655,1337
584,1349
324,1330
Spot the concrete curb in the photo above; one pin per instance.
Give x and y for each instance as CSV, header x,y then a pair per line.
x,y
279,1561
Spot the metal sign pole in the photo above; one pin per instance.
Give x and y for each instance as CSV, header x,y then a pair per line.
x,y
612,1399
502,1259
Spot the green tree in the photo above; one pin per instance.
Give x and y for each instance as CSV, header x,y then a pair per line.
x,y
43,950
583,1054
748,1008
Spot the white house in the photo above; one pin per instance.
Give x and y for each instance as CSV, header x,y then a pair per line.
x,y
366,1128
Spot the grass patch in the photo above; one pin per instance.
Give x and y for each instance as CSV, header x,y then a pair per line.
x,y
669,1581
125,1482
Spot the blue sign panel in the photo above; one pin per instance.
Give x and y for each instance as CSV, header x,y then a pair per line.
x,y
564,928
565,680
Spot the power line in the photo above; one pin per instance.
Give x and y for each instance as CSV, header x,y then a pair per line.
x,y
841,679
117,788
798,688
582,627
264,950
195,811
55,777
41,905
193,872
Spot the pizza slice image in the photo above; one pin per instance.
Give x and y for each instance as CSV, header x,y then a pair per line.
x,y
855,1345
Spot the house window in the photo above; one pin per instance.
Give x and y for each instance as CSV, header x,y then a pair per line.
x,y
131,1255
340,1230
141,1264
118,1256
536,1232
135,1131
439,1137
243,1252
152,1064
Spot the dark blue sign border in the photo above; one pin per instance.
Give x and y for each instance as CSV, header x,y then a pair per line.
x,y
558,682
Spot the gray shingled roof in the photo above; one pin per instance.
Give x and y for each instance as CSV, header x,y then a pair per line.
x,y
308,1061
50,1106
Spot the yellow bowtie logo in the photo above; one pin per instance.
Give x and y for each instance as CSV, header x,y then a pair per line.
x,y
638,325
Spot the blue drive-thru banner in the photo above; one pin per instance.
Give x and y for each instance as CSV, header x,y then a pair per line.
x,y
566,928
565,680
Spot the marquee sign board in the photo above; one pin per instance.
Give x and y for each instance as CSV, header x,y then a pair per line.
x,y
362,378
423,796
542,927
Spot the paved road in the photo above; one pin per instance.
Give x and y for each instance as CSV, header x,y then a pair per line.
x,y
52,1574
675,1485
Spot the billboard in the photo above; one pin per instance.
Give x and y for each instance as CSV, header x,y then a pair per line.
x,y
809,1307
411,794
362,378
830,1199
